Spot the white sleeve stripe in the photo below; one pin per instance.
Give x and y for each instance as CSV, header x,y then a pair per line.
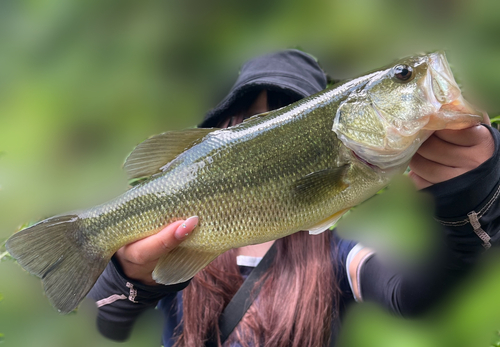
x,y
110,299
348,262
115,297
350,258
358,272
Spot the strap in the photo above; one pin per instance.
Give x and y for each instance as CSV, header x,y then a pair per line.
x,y
242,300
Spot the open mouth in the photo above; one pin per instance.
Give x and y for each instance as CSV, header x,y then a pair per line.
x,y
456,115
443,85
454,112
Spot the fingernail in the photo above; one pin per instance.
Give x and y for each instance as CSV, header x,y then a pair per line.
x,y
190,223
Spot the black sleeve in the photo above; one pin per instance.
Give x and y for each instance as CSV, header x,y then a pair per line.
x,y
468,210
120,301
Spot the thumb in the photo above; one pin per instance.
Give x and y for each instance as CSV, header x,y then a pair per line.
x,y
153,247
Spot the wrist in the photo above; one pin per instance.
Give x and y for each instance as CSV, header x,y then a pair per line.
x,y
150,288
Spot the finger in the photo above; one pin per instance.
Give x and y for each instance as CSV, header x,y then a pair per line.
x,y
445,153
431,171
146,250
185,228
466,137
419,182
153,247
486,118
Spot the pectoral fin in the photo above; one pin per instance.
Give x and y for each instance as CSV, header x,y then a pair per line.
x,y
321,184
150,155
181,265
327,223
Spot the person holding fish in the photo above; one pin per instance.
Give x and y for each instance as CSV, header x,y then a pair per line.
x,y
300,167
312,278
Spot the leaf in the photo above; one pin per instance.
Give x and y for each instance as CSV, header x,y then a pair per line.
x,y
495,119
495,122
496,340
5,256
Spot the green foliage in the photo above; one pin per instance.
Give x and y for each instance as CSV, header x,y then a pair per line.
x,y
496,340
495,122
1,334
2,153
4,255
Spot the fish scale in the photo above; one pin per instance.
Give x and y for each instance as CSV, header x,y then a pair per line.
x,y
297,168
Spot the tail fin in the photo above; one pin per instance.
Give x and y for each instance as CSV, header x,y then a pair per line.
x,y
54,250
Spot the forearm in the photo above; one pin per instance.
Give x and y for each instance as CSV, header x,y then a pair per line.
x,y
468,209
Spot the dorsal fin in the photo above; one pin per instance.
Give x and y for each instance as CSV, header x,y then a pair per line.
x,y
150,155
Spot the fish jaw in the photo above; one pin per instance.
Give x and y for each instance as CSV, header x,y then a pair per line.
x,y
386,122
452,111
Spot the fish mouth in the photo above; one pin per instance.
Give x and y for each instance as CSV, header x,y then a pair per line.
x,y
452,111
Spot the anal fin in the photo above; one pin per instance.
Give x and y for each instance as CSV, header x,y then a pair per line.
x,y
327,223
181,265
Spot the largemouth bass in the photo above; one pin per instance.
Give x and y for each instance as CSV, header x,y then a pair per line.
x,y
297,168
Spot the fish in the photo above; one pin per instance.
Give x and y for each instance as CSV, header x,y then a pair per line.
x,y
300,167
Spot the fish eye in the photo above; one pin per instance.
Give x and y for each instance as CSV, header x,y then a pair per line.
x,y
402,73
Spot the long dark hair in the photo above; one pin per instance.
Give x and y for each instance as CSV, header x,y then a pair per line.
x,y
298,300
295,307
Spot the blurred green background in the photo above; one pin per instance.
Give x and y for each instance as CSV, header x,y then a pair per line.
x,y
82,82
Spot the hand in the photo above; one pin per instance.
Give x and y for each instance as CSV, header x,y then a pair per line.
x,y
138,259
450,153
